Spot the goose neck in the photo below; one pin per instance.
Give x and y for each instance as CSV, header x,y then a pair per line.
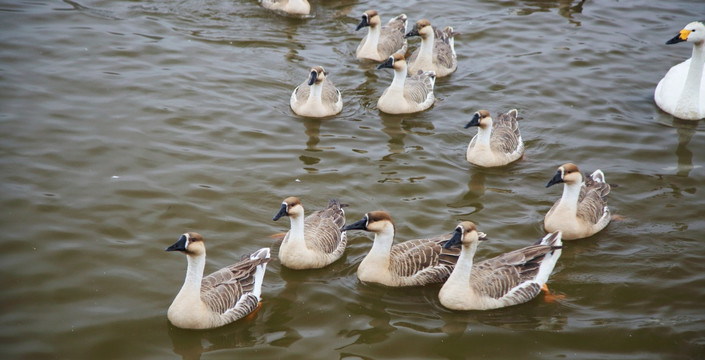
x,y
316,91
297,227
194,274
463,268
426,50
571,193
399,78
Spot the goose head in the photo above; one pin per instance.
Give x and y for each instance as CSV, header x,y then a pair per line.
x,y
190,243
466,234
422,28
317,75
290,207
373,221
693,32
396,62
566,173
481,118
369,18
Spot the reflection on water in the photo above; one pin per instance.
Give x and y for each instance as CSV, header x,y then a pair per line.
x,y
190,344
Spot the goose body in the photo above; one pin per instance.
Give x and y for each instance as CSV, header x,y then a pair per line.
x,y
509,279
294,7
406,94
681,92
220,298
315,241
497,142
437,51
381,42
411,263
317,96
582,209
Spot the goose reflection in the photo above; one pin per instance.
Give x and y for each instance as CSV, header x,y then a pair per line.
x,y
685,130
190,344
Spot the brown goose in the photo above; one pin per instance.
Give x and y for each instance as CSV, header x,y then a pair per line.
x,y
317,96
508,279
410,263
497,143
437,51
381,43
582,210
220,298
313,242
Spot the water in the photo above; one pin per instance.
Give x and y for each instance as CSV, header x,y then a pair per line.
x,y
128,123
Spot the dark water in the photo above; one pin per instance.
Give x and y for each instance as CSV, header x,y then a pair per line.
x,y
126,123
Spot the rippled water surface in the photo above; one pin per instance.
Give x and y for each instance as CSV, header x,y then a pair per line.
x,y
126,123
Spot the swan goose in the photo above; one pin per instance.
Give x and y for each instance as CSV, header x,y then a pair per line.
x,y
220,298
317,96
313,242
293,7
406,94
509,279
496,143
379,44
410,263
681,92
582,209
437,51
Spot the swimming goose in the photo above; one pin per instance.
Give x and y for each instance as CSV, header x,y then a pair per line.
x,y
379,44
681,92
411,263
220,298
437,51
509,279
294,7
317,96
497,142
406,94
313,242
582,210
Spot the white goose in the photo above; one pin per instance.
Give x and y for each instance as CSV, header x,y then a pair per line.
x,y
220,298
437,51
582,209
411,263
379,44
313,242
294,7
497,143
406,94
509,279
317,96
681,92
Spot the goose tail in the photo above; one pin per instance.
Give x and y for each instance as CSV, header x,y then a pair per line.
x,y
262,256
551,258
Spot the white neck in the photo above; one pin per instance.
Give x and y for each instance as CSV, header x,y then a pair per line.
x,y
315,93
463,268
373,37
194,274
691,89
296,234
484,134
426,50
382,245
569,199
399,78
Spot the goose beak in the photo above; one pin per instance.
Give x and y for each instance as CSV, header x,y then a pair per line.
x,y
682,36
360,225
558,178
455,240
180,245
282,212
475,121
413,32
362,23
313,78
387,64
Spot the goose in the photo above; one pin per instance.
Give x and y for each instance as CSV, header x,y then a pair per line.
x,y
411,263
509,279
497,143
437,51
317,96
582,210
293,7
313,242
379,44
220,298
681,92
406,94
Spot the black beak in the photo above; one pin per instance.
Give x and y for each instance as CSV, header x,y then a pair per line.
x,y
475,121
362,23
180,245
387,64
313,78
282,212
558,178
413,32
455,240
676,39
360,225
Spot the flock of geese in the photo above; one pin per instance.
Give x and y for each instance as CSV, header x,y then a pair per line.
x,y
319,239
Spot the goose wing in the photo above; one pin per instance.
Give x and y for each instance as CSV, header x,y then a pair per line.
x,y
323,228
392,38
330,95
592,201
419,88
300,93
443,51
424,258
505,133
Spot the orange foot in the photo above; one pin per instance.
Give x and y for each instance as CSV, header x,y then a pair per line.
x,y
550,298
252,315
278,236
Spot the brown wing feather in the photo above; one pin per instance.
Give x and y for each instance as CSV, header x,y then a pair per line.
x,y
410,258
302,91
325,225
222,289
592,199
329,94
392,37
505,133
417,87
